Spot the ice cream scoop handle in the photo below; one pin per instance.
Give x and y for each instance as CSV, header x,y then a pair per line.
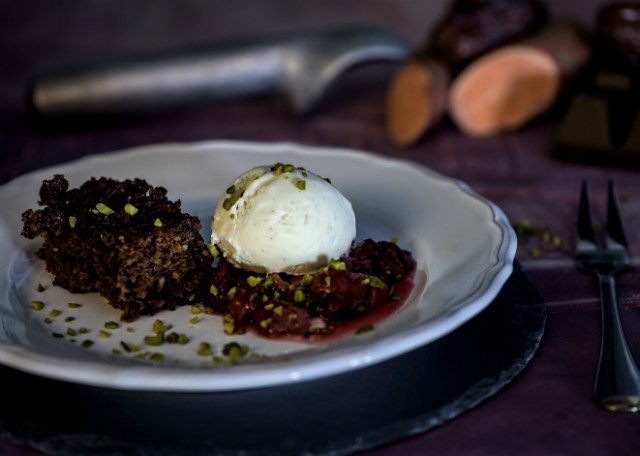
x,y
294,65
158,82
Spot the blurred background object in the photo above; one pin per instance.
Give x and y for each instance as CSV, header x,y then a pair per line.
x,y
300,66
602,121
418,96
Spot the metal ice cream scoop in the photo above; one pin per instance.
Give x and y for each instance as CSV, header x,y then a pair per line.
x,y
298,66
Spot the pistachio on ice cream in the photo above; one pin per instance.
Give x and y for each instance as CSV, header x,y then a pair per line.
x,y
282,218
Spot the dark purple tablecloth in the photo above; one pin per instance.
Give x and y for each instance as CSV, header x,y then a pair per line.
x,y
548,409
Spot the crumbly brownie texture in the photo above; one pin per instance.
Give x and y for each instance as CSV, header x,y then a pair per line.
x,y
123,239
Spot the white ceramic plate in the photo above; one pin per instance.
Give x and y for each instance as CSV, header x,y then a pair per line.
x,y
463,244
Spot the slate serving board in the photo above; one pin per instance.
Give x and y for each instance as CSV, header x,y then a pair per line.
x,y
341,414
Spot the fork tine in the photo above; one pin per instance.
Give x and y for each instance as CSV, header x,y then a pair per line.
x,y
615,232
585,230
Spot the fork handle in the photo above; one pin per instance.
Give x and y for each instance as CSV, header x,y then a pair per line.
x,y
617,385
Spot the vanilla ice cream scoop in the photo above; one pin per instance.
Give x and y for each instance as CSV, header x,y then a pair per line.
x,y
282,219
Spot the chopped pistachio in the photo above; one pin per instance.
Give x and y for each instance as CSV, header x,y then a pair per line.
x,y
155,340
266,322
229,327
157,223
69,319
111,325
229,202
194,320
232,292
73,305
37,305
524,228
115,351
306,280
375,282
72,221
87,343
364,329
299,296
175,338
337,265
156,357
104,209
213,250
57,335
205,349
71,332
301,185
48,321
83,330
103,334
253,281
55,313
213,290
130,209
158,326
269,306
395,297
40,288
129,347
235,351
195,310
534,252
394,240
278,311
231,190
268,281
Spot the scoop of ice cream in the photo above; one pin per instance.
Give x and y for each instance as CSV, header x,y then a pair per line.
x,y
282,219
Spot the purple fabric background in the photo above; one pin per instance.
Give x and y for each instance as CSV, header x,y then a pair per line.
x,y
549,408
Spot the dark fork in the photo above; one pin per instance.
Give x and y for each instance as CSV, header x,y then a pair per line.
x,y
617,384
